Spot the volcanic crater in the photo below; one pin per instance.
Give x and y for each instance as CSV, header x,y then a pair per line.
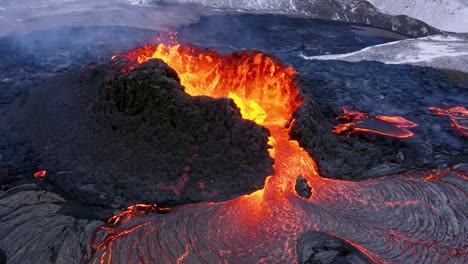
x,y
230,143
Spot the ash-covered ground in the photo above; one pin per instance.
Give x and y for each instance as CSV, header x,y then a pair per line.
x,y
58,61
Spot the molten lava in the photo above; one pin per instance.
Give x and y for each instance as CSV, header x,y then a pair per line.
x,y
390,219
392,126
458,118
40,174
263,89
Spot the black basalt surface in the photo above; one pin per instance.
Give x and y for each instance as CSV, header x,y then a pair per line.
x,y
379,89
2,257
320,248
277,35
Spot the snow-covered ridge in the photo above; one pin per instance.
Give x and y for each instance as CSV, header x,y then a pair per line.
x,y
440,51
280,6
356,11
449,15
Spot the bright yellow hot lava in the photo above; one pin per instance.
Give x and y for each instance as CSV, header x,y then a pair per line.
x,y
268,222
263,89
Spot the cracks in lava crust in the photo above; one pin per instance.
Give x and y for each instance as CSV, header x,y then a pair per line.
x,y
400,218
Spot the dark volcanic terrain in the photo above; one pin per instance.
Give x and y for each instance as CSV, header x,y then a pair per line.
x,y
104,150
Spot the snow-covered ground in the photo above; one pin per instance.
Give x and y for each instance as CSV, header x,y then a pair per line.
x,y
24,14
439,51
449,15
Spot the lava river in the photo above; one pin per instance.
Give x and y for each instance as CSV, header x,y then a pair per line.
x,y
411,218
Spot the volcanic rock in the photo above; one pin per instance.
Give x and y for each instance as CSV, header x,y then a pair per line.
x,y
320,248
33,229
302,188
2,257
113,132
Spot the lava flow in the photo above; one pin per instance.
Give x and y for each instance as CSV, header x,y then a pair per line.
x,y
458,118
402,218
392,126
40,174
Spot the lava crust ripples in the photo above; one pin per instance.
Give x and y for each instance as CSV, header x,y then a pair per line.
x,y
411,218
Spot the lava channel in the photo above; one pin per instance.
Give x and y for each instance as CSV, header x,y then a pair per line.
x,y
402,218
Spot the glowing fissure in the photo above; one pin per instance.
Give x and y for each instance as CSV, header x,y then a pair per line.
x,y
40,174
392,219
458,117
359,122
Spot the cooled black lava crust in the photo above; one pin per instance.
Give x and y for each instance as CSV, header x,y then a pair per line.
x,y
111,137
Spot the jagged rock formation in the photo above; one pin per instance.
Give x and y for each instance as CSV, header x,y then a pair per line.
x,y
110,137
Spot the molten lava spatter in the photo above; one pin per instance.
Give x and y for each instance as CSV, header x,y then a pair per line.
x,y
458,118
40,174
392,126
391,219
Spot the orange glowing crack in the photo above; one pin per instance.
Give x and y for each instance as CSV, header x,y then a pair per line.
x,y
114,236
458,118
184,255
359,122
237,230
397,120
134,211
40,174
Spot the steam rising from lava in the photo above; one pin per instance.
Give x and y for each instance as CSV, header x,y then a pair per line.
x,y
406,218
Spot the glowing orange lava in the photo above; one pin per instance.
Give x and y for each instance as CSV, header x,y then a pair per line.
x,y
458,117
40,174
263,88
264,227
392,126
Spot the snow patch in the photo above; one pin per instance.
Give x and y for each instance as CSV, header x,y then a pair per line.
x,y
452,50
449,15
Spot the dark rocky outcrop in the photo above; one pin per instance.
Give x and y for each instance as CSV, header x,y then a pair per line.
x,y
302,188
320,248
33,230
2,257
376,88
115,137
